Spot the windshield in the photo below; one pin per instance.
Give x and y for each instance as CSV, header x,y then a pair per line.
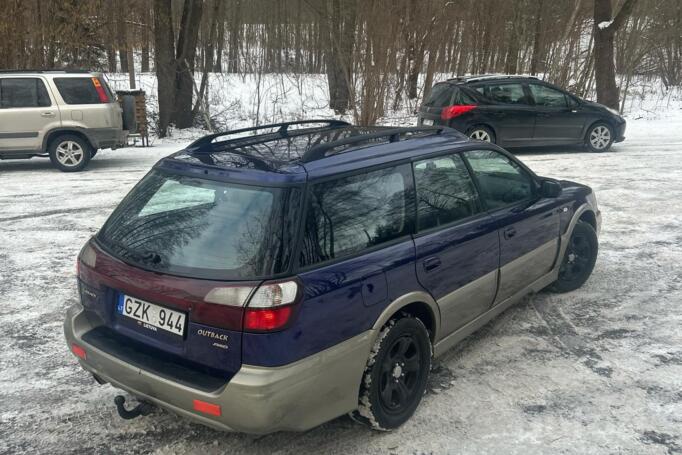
x,y
203,228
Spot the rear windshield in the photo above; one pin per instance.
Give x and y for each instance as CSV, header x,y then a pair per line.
x,y
202,228
440,96
82,90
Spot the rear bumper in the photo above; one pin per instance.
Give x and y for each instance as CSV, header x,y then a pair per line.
x,y
257,399
103,138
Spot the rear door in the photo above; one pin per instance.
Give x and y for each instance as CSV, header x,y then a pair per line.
x,y
528,226
27,111
88,102
508,110
456,242
557,118
441,95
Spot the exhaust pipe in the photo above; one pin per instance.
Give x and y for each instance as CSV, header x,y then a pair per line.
x,y
142,408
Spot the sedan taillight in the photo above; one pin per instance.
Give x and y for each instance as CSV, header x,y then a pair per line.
x,y
449,112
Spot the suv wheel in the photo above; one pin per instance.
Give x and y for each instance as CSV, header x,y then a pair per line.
x,y
579,259
599,137
395,377
482,133
69,153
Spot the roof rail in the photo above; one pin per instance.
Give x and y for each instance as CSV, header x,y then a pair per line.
x,y
484,77
49,70
393,134
282,130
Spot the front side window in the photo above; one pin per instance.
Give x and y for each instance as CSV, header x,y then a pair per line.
x,y
445,192
501,181
504,93
203,228
347,215
23,92
547,96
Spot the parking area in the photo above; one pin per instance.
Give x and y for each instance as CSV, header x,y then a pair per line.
x,y
598,370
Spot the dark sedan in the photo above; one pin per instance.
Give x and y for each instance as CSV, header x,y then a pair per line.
x,y
521,111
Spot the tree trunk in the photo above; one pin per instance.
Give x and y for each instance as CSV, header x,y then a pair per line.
x,y
164,62
537,43
340,37
145,38
186,51
605,29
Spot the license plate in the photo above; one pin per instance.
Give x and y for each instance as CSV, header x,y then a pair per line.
x,y
427,122
151,316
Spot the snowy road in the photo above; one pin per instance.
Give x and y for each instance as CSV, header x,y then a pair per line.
x,y
598,370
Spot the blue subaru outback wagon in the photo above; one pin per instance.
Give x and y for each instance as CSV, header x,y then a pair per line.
x,y
277,277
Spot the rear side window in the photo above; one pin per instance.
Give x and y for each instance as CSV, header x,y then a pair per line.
x,y
350,214
23,92
82,90
547,96
502,182
504,93
440,96
445,191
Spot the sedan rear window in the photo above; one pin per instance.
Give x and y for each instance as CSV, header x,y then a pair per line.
x,y
440,96
202,228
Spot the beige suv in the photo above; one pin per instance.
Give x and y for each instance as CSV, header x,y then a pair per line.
x,y
66,115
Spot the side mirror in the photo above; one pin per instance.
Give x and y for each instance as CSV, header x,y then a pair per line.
x,y
550,188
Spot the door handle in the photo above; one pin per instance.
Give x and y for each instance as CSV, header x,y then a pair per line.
x,y
509,233
431,263
47,114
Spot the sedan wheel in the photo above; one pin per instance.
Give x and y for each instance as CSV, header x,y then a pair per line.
x,y
481,134
599,138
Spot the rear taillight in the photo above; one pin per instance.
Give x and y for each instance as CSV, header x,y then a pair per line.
x,y
87,257
100,90
268,307
271,306
449,112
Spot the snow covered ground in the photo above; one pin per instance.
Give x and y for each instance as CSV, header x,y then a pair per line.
x,y
598,370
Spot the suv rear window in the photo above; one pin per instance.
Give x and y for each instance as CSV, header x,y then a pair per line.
x,y
350,214
440,95
202,228
23,92
81,90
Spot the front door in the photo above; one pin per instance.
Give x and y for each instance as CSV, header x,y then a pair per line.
x,y
528,226
558,121
26,112
456,243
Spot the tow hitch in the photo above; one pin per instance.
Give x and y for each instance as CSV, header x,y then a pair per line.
x,y
142,408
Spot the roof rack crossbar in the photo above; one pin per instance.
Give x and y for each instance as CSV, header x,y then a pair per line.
x,y
282,130
392,134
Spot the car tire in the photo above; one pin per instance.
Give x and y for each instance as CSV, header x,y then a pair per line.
x,y
599,137
579,259
396,374
481,133
69,153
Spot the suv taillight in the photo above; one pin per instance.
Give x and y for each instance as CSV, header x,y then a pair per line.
x,y
103,97
267,308
271,306
449,112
